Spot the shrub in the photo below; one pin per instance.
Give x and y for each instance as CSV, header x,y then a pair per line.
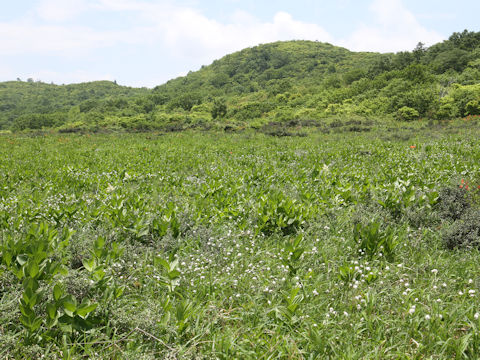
x,y
407,114
219,109
452,203
472,107
447,109
464,232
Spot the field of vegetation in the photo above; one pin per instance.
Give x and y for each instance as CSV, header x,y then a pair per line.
x,y
206,245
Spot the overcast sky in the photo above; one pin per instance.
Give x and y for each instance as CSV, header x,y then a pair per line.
x,y
147,42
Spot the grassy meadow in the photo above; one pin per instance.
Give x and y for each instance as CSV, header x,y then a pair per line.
x,y
202,245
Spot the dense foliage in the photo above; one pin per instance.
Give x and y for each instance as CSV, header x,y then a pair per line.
x,y
241,246
278,82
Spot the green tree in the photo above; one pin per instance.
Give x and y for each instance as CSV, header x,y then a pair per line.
x,y
219,109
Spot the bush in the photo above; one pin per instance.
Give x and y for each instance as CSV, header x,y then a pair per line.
x,y
407,114
219,109
452,203
464,232
472,107
446,111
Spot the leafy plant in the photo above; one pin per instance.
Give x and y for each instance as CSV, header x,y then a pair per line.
x,y
292,253
280,213
373,240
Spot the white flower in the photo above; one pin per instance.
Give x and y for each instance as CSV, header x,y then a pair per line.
x,y
427,317
412,310
434,271
470,281
315,292
476,316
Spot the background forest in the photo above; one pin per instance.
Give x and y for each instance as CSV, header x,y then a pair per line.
x,y
277,85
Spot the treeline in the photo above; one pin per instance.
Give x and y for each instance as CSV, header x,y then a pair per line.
x,y
278,82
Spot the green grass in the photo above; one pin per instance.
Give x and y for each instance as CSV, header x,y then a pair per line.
x,y
239,246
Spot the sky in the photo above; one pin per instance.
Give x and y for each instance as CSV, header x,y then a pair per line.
x,y
144,43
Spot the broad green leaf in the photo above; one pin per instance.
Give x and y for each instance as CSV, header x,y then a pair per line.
x,y
57,292
89,265
69,305
51,310
84,310
22,259
33,269
174,274
99,274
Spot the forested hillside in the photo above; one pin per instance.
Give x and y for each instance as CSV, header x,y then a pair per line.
x,y
278,82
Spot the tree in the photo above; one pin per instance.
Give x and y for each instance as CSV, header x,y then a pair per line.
x,y
419,51
219,109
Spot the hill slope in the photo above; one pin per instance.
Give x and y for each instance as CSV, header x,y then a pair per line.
x,y
282,81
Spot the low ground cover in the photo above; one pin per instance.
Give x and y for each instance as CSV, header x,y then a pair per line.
x,y
211,245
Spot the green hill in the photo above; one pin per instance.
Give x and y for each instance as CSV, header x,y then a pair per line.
x,y
35,104
279,82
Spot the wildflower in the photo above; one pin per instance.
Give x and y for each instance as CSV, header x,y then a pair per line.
x,y
427,317
434,271
476,316
470,281
412,146
315,292
411,310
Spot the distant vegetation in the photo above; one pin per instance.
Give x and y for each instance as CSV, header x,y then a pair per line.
x,y
278,83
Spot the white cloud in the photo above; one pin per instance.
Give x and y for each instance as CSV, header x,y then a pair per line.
x,y
25,37
395,29
178,34
186,32
61,10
